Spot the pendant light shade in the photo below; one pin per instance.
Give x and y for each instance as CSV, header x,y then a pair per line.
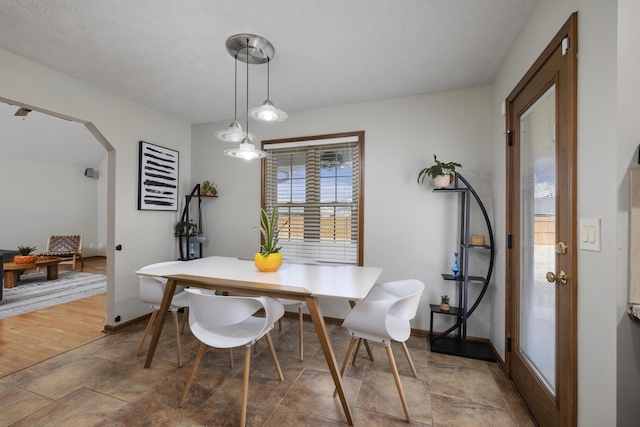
x,y
246,151
267,112
234,134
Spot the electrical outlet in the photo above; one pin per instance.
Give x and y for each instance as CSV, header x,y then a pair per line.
x,y
117,318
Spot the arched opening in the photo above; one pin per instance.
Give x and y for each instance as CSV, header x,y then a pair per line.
x,y
34,145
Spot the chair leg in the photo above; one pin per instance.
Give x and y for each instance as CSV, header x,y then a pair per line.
x,y
396,377
280,324
81,262
231,358
176,328
73,263
274,356
346,362
300,318
146,331
366,345
192,374
245,385
356,353
406,353
185,318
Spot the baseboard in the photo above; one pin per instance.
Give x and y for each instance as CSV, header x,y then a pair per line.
x,y
117,328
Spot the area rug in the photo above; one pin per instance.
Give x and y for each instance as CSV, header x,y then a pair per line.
x,y
35,292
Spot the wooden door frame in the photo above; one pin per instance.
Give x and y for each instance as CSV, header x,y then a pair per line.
x,y
567,382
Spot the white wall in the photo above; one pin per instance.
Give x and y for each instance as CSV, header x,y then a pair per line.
x,y
145,236
41,199
628,333
598,311
409,231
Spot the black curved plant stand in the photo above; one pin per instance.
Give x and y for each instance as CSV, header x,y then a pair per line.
x,y
459,345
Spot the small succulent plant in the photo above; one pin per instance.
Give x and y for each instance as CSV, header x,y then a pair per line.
x,y
26,250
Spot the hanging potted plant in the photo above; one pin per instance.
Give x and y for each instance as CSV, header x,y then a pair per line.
x,y
269,258
442,173
183,229
25,256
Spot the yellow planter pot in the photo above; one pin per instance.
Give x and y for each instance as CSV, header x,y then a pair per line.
x,y
268,263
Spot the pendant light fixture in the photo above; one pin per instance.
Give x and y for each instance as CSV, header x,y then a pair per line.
x,y
267,112
234,133
256,50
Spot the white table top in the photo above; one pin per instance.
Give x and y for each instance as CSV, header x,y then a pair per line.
x,y
341,281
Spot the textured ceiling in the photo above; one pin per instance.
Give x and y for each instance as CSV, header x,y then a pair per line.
x,y
171,55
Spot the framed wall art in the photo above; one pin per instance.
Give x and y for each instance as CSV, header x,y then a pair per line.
x,y
158,178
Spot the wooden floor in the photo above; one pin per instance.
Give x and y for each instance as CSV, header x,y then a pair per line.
x,y
33,337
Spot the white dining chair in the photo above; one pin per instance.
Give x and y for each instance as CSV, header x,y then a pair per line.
x,y
151,292
384,316
228,321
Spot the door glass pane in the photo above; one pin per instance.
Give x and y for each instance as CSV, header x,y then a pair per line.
x,y
538,238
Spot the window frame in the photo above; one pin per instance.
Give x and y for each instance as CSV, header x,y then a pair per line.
x,y
360,175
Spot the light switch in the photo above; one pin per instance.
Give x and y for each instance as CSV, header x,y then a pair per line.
x,y
584,233
590,234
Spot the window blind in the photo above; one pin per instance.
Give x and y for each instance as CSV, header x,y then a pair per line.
x,y
315,184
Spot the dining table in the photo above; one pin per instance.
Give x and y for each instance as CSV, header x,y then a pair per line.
x,y
294,281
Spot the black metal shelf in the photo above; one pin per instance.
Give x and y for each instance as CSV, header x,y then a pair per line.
x,y
453,311
470,349
459,345
185,240
461,278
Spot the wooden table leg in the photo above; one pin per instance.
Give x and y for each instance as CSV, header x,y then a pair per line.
x,y
321,330
162,314
52,271
11,278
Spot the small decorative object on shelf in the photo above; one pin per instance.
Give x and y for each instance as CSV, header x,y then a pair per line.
x,y
477,240
192,252
25,256
455,268
442,173
269,258
444,303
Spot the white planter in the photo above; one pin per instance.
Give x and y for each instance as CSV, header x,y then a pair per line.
x,y
442,181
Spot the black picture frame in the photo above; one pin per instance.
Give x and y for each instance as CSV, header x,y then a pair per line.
x,y
158,178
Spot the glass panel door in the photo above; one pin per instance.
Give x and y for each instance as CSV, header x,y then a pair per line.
x,y
538,237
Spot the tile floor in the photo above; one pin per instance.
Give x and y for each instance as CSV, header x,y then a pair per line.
x,y
104,384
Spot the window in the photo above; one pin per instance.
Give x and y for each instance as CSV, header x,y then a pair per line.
x,y
316,185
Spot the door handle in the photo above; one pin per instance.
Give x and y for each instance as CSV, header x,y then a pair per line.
x,y
561,277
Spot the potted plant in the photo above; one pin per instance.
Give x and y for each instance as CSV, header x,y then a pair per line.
x,y
444,303
208,189
269,258
25,256
442,173
182,229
